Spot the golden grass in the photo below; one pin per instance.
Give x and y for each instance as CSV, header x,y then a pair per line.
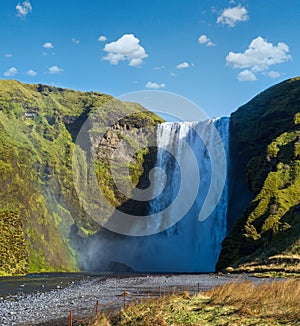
x,y
102,321
284,264
240,303
277,299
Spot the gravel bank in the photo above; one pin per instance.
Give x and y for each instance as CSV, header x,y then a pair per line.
x,y
52,308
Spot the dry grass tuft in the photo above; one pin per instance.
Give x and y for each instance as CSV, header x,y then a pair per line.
x,y
240,303
102,321
279,299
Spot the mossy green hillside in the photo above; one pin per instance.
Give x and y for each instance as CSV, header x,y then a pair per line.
x,y
267,235
13,249
39,125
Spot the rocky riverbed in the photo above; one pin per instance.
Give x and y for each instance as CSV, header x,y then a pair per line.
x,y
52,307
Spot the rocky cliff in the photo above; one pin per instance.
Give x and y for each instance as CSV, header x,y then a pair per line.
x,y
39,207
265,183
44,224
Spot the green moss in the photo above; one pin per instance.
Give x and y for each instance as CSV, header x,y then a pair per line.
x,y
271,223
35,169
282,140
13,250
297,118
39,125
126,135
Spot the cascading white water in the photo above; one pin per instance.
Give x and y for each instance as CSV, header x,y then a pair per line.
x,y
190,245
189,215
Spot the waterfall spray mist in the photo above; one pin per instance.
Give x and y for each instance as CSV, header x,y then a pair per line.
x,y
186,222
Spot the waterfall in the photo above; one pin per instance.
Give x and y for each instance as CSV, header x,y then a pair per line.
x,y
189,210
190,244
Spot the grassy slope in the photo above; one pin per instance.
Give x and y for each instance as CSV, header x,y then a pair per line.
x,y
13,250
38,201
265,143
267,304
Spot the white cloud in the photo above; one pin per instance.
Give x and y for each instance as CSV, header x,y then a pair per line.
x,y
75,41
102,38
125,48
183,65
231,16
54,70
274,74
11,72
151,85
8,55
158,67
48,45
203,39
260,55
135,62
172,74
31,73
23,9
114,58
246,75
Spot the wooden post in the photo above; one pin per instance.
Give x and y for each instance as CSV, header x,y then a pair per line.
x,y
198,287
97,304
124,303
70,319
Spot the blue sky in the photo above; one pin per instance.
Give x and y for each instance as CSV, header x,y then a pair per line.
x,y
218,54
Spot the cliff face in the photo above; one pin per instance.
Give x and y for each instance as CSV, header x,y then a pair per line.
x,y
265,186
43,223
39,207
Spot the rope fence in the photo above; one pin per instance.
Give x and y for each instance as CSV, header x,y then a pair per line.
x,y
124,301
